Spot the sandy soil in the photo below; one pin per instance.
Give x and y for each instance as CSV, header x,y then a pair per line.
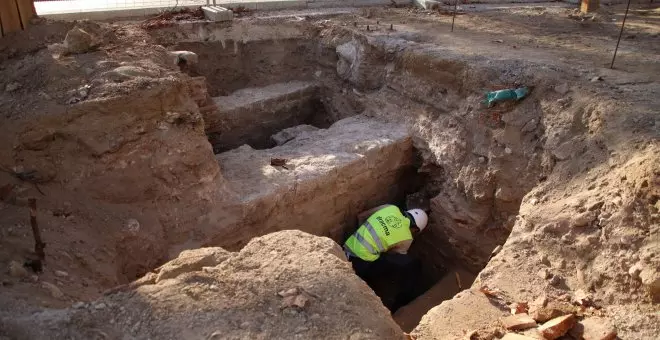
x,y
123,167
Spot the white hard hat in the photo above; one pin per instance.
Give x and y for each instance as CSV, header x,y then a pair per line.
x,y
420,217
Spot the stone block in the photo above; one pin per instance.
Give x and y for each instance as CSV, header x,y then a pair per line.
x,y
518,322
217,13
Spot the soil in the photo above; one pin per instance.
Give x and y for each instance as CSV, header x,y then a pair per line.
x,y
552,196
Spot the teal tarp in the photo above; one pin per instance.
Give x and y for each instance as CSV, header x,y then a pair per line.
x,y
508,94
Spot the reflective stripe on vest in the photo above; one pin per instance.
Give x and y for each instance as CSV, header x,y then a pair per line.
x,y
374,235
365,244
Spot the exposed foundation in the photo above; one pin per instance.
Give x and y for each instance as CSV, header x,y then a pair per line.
x,y
335,167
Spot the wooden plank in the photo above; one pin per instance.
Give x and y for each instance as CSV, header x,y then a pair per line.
x,y
26,11
589,5
11,20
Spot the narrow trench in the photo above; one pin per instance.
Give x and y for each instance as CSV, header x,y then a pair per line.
x,y
272,105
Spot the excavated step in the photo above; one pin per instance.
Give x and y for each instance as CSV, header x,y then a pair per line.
x,y
330,175
252,115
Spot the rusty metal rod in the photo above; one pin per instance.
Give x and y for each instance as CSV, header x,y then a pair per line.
x,y
458,281
38,244
620,33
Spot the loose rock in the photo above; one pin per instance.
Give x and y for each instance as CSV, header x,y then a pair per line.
x,y
544,273
11,87
562,89
132,225
518,322
651,280
17,270
78,40
594,328
514,336
53,290
61,273
557,327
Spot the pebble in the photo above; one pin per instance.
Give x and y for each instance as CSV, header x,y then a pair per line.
x,y
245,325
100,306
596,78
555,280
562,264
11,87
290,312
301,329
562,89
508,150
482,159
16,269
634,271
544,273
545,260
132,225
78,305
61,273
53,289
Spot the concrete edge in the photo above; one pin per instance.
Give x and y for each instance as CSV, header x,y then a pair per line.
x,y
256,6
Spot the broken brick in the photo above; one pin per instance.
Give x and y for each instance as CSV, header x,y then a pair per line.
x,y
594,328
518,322
543,310
544,314
557,327
519,308
514,336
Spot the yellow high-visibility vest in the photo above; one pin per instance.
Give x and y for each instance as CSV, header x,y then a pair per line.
x,y
385,228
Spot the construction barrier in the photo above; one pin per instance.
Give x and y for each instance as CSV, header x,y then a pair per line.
x,y
15,15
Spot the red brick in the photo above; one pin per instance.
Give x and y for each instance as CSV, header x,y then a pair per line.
x,y
557,327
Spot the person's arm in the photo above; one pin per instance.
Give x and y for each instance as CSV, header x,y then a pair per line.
x,y
363,216
401,247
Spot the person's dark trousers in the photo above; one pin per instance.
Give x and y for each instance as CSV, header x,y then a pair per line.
x,y
403,270
407,273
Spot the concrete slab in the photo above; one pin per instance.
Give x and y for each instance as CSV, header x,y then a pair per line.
x,y
330,175
252,115
217,13
109,9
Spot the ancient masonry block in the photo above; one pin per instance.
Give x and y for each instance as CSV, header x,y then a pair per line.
x,y
217,13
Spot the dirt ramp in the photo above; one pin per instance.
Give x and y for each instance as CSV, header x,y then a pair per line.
x,y
283,285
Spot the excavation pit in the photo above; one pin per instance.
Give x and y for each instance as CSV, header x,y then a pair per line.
x,y
265,98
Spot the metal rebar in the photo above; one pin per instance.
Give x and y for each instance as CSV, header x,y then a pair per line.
x,y
38,244
453,18
458,281
620,34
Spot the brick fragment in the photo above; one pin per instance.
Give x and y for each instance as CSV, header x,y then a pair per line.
x,y
557,327
514,336
518,322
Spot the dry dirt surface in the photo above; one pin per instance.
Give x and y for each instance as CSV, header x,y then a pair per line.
x,y
552,200
280,286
